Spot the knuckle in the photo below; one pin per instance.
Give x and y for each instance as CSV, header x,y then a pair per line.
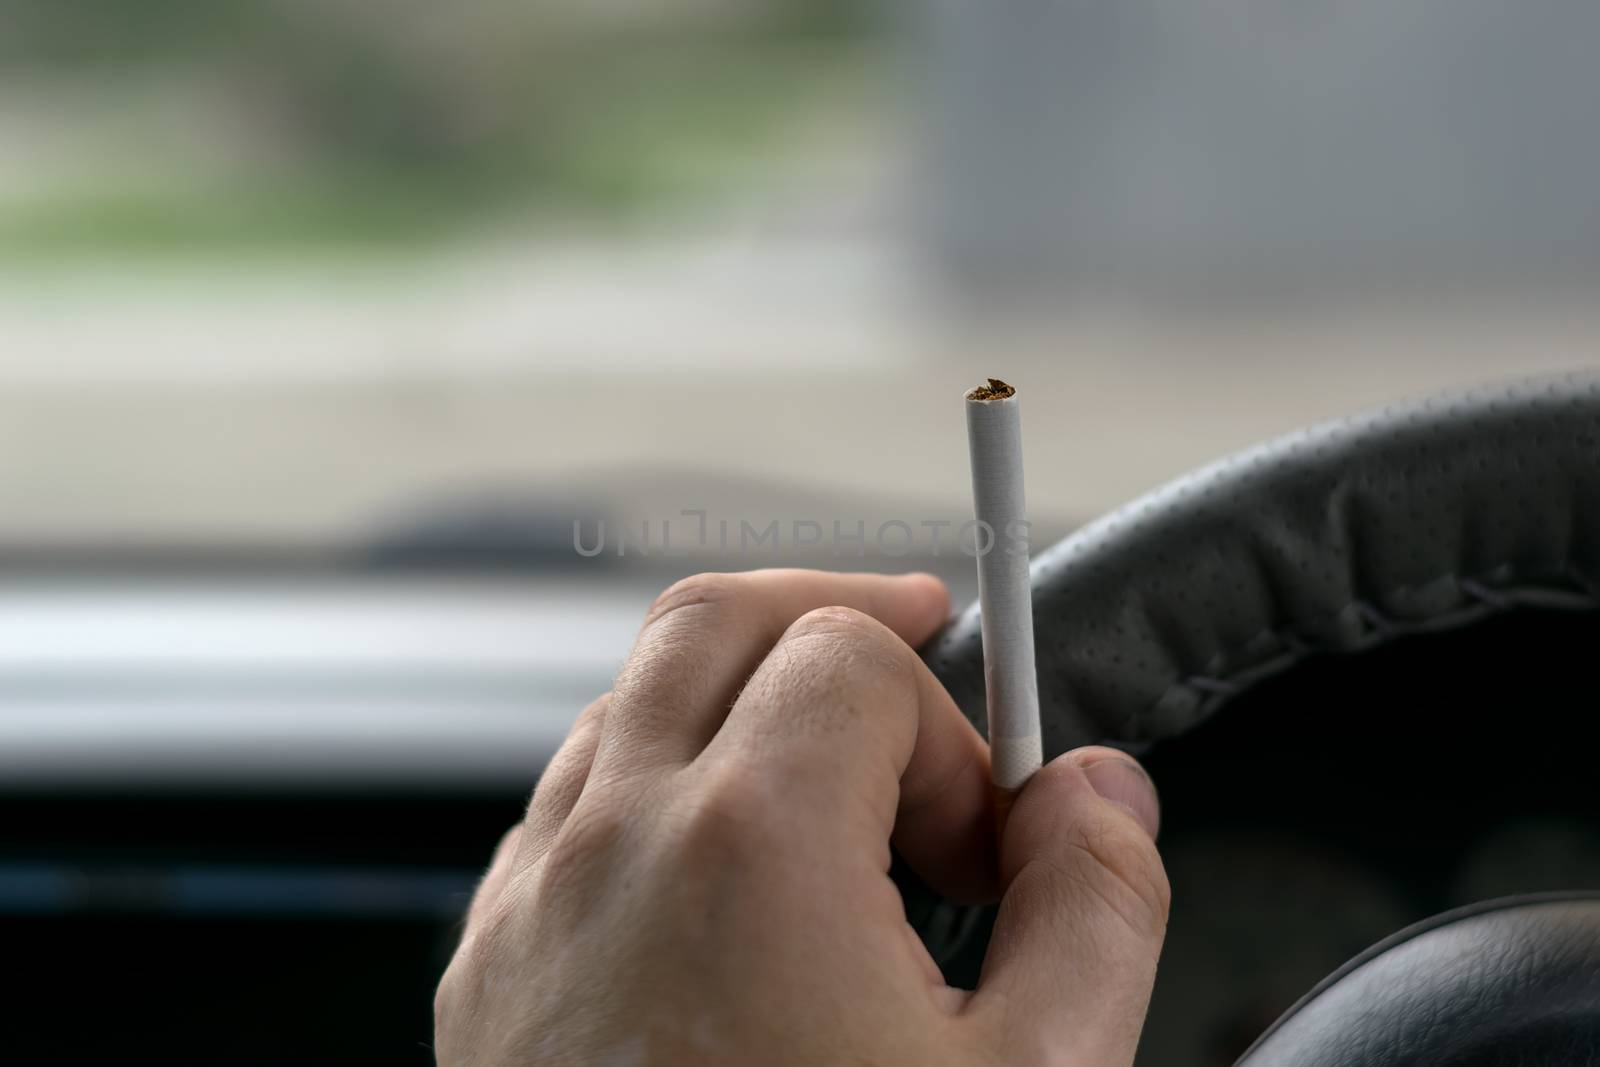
x,y
838,648
835,664
1120,865
1095,850
504,851
726,818
844,640
731,796
591,833
567,770
561,779
590,718
836,622
696,591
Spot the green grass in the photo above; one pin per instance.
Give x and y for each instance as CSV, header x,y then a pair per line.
x,y
653,130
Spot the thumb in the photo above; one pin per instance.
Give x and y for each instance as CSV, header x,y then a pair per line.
x,y
1073,954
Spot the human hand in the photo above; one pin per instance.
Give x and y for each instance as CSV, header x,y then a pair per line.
x,y
702,875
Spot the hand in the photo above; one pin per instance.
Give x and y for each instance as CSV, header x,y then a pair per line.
x,y
702,874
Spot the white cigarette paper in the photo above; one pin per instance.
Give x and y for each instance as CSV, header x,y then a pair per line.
x,y
994,437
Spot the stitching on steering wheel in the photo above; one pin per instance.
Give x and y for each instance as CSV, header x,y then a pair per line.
x,y
1210,690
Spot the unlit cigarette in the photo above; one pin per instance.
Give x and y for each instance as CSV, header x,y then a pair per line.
x,y
994,436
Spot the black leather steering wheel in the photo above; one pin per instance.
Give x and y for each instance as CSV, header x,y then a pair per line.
x,y
1154,622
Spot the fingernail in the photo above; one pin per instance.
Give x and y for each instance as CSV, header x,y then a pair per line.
x,y
1124,783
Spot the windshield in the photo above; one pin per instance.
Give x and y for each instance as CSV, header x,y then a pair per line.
x,y
286,280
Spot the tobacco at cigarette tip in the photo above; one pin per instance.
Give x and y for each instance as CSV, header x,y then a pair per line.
x,y
995,390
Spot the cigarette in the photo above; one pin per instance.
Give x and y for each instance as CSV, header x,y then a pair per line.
x,y
994,437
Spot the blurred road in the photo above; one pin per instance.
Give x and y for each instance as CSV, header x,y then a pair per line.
x,y
292,402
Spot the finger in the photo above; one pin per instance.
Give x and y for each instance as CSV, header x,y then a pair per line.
x,y
1073,953
553,799
703,637
562,783
848,728
493,881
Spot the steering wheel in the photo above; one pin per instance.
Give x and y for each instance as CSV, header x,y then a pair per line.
x,y
1359,664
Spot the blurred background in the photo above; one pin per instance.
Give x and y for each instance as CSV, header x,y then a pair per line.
x,y
322,324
